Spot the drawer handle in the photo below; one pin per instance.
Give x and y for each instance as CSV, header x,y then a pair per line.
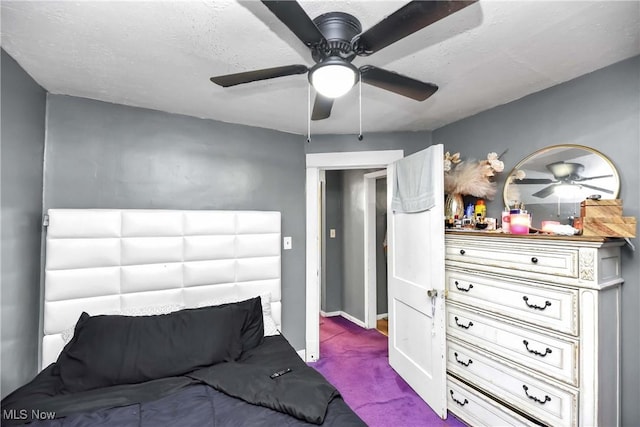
x,y
463,289
462,252
457,401
537,307
534,260
535,399
461,362
537,353
463,326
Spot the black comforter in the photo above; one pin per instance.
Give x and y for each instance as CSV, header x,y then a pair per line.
x,y
239,393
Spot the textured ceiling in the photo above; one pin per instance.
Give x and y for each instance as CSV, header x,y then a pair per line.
x,y
160,55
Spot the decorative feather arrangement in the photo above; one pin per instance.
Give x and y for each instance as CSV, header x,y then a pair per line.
x,y
471,177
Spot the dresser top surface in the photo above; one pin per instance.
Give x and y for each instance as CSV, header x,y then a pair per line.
x,y
534,237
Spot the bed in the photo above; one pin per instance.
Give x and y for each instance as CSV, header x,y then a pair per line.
x,y
167,317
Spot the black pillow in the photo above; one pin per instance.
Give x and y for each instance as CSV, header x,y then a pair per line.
x,y
111,349
252,331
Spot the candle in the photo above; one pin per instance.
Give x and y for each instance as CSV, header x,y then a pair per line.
x,y
506,217
520,223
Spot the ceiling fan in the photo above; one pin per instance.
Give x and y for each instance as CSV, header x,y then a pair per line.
x,y
336,38
564,174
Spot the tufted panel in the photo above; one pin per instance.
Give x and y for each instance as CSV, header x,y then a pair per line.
x,y
105,260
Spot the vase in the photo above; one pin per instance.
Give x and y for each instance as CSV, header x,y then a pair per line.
x,y
454,205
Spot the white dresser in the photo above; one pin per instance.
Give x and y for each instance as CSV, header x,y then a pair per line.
x,y
533,329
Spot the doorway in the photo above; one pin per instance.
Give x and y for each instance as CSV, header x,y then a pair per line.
x,y
316,163
352,235
376,202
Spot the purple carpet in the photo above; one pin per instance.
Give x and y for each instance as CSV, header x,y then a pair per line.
x,y
356,362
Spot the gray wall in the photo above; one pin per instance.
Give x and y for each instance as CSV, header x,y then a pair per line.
x,y
23,129
599,110
102,155
333,261
353,242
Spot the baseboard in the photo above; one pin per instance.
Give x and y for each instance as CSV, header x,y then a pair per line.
x,y
347,316
353,319
382,316
330,313
302,353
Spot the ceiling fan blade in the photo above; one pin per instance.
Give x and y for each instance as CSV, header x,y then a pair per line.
x,y
264,74
534,181
397,83
545,192
593,187
321,107
407,20
296,19
586,178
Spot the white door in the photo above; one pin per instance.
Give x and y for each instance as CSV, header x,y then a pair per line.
x,y
416,293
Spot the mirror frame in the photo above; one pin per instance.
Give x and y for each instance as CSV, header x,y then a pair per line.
x,y
536,153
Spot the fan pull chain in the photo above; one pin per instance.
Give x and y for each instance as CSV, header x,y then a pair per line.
x,y
308,113
360,137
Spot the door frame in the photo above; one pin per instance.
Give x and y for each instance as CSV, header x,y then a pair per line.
x,y
370,248
315,163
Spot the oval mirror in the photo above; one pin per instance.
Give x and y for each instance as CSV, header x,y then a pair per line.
x,y
553,181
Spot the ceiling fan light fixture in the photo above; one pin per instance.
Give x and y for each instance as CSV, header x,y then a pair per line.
x,y
565,190
333,78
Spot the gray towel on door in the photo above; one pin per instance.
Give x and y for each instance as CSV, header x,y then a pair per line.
x,y
413,183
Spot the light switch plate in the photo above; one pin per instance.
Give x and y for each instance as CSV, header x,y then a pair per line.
x,y
332,233
286,243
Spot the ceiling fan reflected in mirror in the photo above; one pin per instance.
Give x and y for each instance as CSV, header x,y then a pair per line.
x,y
566,176
336,39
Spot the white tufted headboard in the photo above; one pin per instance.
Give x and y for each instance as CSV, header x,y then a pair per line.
x,y
104,260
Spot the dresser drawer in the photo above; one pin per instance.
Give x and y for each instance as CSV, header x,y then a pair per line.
x,y
550,355
543,306
549,401
549,260
478,410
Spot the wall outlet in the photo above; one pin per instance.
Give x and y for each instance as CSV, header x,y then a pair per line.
x,y
286,243
332,233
